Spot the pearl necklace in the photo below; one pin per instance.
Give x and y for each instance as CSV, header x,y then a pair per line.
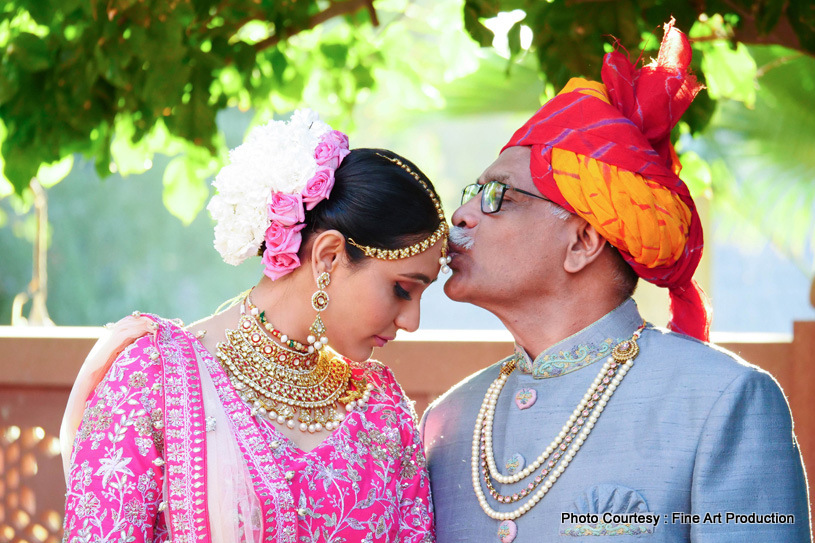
x,y
571,437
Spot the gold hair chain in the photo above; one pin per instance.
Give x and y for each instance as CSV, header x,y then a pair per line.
x,y
421,246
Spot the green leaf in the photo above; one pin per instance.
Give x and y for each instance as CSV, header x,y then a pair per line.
x,y
514,40
730,73
478,31
9,81
129,156
51,174
363,77
764,155
21,163
185,190
101,151
279,63
30,52
195,120
335,53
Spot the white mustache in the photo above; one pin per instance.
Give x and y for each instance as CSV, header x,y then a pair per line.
x,y
460,237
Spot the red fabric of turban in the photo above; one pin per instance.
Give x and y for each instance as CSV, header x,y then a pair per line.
x,y
603,151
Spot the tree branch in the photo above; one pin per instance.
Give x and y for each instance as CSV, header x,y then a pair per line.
x,y
332,11
776,63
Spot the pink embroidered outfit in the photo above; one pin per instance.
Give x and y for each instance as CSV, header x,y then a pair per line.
x,y
167,451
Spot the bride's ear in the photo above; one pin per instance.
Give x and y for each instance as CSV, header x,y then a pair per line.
x,y
327,250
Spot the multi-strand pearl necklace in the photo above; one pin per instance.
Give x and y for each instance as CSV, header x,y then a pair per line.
x,y
557,456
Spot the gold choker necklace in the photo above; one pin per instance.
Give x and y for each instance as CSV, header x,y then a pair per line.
x,y
286,385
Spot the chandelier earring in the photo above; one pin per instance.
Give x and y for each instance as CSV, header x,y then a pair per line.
x,y
319,301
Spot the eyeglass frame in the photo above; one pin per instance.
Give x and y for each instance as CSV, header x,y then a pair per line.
x,y
500,199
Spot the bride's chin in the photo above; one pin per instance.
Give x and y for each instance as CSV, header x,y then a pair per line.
x,y
359,353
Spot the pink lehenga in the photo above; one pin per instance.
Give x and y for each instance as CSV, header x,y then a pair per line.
x,y
167,451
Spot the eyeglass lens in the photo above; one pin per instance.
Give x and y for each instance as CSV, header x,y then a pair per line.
x,y
491,197
470,192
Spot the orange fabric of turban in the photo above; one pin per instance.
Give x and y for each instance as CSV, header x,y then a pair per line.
x,y
603,151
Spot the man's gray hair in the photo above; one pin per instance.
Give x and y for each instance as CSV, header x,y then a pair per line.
x,y
559,212
623,278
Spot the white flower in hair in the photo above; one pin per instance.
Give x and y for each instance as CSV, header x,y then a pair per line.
x,y
281,165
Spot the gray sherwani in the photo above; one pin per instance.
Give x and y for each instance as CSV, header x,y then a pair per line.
x,y
691,429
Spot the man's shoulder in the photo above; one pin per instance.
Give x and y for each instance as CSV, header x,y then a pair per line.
x,y
692,359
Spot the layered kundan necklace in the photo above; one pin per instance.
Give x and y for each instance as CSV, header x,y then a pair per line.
x,y
553,461
301,387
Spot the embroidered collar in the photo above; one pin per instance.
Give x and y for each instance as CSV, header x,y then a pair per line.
x,y
585,347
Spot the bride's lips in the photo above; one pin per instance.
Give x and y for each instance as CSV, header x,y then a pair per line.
x,y
381,341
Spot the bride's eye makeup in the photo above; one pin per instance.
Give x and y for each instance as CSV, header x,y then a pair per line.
x,y
400,292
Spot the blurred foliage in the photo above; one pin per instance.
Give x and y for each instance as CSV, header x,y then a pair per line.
x,y
759,161
120,80
569,38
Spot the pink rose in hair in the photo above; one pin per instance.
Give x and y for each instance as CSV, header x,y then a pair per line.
x,y
287,209
333,147
327,155
318,187
277,265
337,138
283,239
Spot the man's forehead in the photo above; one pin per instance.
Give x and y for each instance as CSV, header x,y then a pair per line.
x,y
511,167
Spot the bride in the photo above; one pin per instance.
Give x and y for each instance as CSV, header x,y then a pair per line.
x,y
268,422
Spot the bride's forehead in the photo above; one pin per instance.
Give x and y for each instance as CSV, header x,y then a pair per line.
x,y
423,268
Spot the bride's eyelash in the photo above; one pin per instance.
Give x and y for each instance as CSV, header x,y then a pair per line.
x,y
400,292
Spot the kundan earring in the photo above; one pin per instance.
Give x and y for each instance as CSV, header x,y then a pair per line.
x,y
319,301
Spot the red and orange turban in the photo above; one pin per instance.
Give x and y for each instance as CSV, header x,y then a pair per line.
x,y
603,151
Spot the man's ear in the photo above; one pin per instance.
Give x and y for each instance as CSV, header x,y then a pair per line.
x,y
585,246
326,251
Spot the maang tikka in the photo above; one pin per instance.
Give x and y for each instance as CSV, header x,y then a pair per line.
x,y
319,301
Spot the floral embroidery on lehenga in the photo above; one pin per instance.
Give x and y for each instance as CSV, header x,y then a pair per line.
x,y
366,482
114,487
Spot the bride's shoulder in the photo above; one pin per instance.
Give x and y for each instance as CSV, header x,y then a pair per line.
x,y
211,330
370,369
379,375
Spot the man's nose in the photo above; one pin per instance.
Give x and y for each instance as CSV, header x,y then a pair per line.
x,y
467,215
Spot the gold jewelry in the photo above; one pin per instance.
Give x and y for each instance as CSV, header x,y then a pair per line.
x,y
287,386
274,332
319,301
421,246
559,454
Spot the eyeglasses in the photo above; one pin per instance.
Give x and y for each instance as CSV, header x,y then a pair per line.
x,y
492,195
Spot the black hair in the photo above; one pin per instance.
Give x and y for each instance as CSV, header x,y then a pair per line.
x,y
375,202
624,278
